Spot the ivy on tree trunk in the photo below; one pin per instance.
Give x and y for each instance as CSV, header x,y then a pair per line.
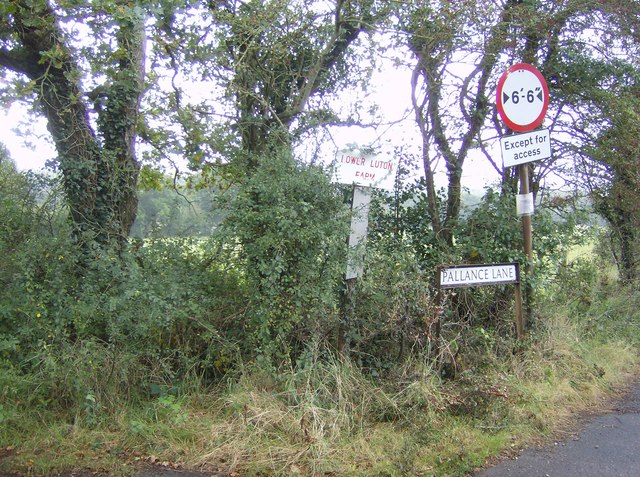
x,y
99,169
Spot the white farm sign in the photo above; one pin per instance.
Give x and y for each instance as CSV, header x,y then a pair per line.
x,y
365,171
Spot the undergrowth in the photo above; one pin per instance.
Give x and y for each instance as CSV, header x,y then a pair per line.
x,y
329,417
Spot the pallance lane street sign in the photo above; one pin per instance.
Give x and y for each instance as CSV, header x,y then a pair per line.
x,y
478,275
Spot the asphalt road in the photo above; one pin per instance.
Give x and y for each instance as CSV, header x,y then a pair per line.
x,y
607,445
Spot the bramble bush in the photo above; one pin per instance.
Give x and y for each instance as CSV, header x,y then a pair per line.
x,y
286,230
87,333
394,309
164,314
489,232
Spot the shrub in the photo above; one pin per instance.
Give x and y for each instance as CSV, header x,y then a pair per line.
x,y
289,225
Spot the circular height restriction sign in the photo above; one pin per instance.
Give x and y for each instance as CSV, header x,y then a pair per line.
x,y
522,97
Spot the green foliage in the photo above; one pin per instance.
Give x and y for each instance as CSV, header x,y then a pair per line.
x,y
617,195
489,232
575,284
289,225
126,331
492,232
126,321
404,218
169,212
28,247
16,201
393,310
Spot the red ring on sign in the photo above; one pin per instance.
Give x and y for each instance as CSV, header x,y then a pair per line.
x,y
545,101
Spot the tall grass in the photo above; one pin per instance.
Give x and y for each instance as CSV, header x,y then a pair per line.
x,y
330,417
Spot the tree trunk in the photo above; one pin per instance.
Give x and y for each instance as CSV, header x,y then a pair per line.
x,y
433,49
99,171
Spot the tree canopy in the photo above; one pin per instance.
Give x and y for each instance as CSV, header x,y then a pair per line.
x,y
221,85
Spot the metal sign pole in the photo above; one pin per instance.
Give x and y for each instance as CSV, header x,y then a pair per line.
x,y
364,171
522,99
527,238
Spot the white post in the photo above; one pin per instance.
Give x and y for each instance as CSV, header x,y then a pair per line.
x,y
358,235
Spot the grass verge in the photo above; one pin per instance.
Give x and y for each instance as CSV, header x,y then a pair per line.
x,y
332,419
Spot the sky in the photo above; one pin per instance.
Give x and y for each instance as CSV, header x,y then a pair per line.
x,y
30,146
25,138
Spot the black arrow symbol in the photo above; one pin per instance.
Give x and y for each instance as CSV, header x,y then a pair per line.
x,y
505,97
540,95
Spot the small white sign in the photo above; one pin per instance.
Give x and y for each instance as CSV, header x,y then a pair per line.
x,y
528,147
475,275
366,171
524,204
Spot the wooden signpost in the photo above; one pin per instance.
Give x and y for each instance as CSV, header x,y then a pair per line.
x,y
522,99
365,172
